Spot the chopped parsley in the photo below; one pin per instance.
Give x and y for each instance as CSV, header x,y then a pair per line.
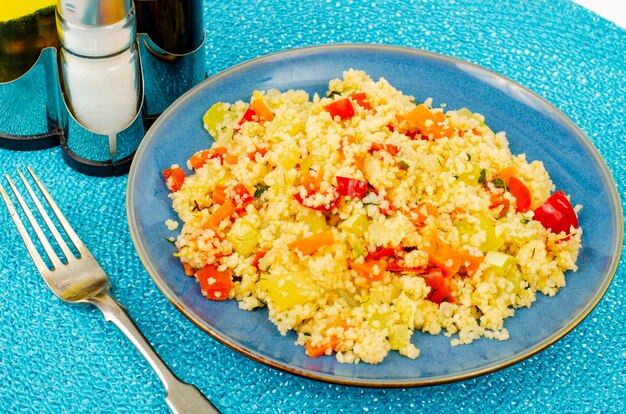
x,y
259,190
403,165
483,176
170,241
332,94
499,183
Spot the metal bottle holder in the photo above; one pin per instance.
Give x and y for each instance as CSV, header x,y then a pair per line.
x,y
166,48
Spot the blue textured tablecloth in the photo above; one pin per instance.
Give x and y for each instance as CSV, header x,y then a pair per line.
x,y
59,358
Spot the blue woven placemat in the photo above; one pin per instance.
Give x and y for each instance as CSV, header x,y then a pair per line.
x,y
56,358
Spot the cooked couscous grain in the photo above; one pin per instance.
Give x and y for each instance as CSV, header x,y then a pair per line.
x,y
361,216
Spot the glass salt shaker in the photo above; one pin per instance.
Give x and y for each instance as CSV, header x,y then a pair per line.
x,y
99,63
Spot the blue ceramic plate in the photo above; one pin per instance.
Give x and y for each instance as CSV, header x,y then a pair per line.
x,y
533,127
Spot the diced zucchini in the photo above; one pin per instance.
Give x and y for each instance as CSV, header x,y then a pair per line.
x,y
357,248
471,174
469,114
356,224
503,265
399,336
375,233
244,237
492,241
286,154
370,198
315,221
216,117
310,161
288,290
500,262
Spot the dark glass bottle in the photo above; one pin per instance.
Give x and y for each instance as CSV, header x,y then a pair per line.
x,y
175,26
23,39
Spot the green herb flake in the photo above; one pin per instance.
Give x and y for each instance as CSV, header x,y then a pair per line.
x,y
259,190
332,94
469,156
170,241
525,219
403,165
483,176
498,183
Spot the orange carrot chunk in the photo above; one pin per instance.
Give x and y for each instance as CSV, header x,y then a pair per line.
x,y
223,212
372,270
262,110
443,256
215,284
311,244
200,158
174,178
315,351
219,195
429,122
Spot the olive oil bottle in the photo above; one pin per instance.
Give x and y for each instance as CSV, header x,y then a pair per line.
x,y
175,26
26,28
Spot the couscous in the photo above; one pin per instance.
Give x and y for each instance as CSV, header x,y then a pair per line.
x,y
361,216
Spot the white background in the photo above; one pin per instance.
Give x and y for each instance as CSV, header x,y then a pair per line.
x,y
613,10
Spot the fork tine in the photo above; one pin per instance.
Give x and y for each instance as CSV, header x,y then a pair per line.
x,y
46,218
30,246
78,243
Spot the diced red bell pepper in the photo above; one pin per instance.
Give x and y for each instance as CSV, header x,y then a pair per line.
x,y
321,207
557,214
499,203
390,148
351,187
381,252
257,257
174,178
439,289
247,116
521,193
242,195
215,284
395,266
341,107
361,99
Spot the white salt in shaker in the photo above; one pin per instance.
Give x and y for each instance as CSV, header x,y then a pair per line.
x,y
100,70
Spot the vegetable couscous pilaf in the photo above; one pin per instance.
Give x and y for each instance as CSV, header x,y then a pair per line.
x,y
360,217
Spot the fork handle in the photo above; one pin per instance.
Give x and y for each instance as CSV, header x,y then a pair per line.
x,y
182,398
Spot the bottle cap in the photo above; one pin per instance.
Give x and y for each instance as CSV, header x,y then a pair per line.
x,y
96,28
94,13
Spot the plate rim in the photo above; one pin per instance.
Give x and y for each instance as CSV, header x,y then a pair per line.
x,y
609,183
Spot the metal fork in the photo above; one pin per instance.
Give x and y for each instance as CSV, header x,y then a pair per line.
x,y
82,280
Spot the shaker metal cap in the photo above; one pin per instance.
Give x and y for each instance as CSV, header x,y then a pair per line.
x,y
94,13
